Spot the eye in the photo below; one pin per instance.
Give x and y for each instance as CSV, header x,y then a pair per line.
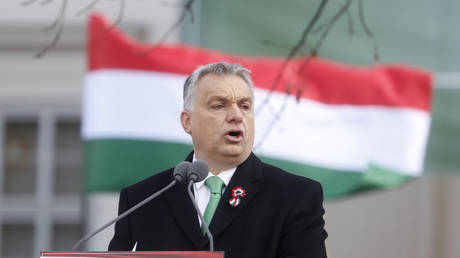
x,y
245,106
217,106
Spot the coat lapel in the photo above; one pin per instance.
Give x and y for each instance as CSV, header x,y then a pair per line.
x,y
248,176
184,212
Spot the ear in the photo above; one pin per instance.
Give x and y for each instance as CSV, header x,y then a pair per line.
x,y
185,119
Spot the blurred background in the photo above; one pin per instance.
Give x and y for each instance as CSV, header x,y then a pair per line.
x,y
41,202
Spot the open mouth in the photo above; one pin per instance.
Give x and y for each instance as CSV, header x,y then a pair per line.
x,y
234,136
234,133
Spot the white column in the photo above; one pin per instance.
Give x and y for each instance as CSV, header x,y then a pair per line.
x,y
45,161
101,208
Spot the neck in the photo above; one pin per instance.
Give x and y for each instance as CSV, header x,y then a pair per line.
x,y
217,167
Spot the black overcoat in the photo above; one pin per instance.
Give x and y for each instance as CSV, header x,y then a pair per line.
x,y
280,216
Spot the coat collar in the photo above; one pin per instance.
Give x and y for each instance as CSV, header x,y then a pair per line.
x,y
248,175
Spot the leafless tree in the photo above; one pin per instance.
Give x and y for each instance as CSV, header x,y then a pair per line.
x,y
298,51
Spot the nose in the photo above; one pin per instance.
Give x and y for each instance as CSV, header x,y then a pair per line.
x,y
235,115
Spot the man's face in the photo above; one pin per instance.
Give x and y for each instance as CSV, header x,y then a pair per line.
x,y
222,120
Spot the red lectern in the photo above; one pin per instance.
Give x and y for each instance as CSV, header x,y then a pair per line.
x,y
131,254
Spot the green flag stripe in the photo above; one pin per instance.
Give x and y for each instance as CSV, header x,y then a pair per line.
x,y
339,182
111,164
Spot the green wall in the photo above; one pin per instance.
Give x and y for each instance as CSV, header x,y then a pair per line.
x,y
417,32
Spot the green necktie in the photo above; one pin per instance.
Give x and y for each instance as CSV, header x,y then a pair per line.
x,y
215,184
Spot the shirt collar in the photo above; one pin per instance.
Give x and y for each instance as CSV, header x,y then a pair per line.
x,y
225,175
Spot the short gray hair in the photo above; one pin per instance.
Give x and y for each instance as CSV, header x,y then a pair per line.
x,y
220,68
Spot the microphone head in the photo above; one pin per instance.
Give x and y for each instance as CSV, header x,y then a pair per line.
x,y
180,171
197,171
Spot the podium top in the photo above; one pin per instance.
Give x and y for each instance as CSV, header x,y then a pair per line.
x,y
163,254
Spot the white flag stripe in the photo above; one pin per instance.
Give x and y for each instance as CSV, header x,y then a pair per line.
x,y
347,137
134,105
147,105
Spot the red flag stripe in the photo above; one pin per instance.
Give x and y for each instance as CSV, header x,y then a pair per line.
x,y
320,80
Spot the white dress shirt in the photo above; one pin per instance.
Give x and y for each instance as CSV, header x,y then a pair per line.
x,y
202,192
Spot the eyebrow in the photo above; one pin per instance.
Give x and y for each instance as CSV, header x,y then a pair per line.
x,y
223,98
245,99
217,98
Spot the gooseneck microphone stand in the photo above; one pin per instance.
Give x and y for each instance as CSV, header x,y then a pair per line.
x,y
203,223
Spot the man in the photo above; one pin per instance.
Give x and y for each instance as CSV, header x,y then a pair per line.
x,y
262,211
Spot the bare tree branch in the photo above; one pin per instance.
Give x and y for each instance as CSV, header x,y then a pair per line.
x,y
351,27
46,2
187,9
303,50
328,28
271,125
325,33
60,20
322,25
87,8
368,32
174,4
121,12
188,6
299,93
56,21
27,3
363,21
319,28
293,52
277,113
376,51
117,21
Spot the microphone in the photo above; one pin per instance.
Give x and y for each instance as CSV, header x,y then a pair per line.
x,y
179,173
197,172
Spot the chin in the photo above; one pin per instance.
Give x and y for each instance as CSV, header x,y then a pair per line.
x,y
231,152
234,154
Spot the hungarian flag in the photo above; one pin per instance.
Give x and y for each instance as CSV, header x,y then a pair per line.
x,y
350,128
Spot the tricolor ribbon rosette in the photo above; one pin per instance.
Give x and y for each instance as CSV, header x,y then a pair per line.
x,y
237,193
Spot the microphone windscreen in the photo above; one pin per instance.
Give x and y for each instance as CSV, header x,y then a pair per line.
x,y
180,171
198,171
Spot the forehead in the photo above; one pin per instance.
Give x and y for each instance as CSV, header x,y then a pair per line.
x,y
223,85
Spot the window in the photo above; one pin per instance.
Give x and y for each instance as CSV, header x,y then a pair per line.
x,y
40,176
